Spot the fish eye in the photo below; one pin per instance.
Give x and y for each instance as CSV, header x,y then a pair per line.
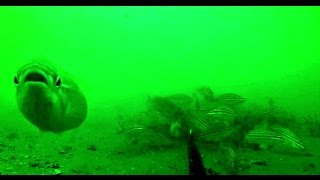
x,y
16,80
58,83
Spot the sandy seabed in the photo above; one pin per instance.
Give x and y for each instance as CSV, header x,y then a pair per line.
x,y
96,149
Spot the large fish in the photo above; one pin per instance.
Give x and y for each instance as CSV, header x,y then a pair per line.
x,y
49,100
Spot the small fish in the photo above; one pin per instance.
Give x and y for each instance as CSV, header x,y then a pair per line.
x,y
271,109
274,136
129,129
206,92
182,100
290,137
230,157
165,107
49,99
151,134
196,166
132,131
224,114
230,99
263,137
202,97
197,120
217,133
274,109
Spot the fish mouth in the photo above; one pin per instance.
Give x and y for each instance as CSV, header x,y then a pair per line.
x,y
36,77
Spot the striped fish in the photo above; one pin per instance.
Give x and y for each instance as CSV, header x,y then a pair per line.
x,y
203,97
273,108
217,133
230,99
230,156
263,137
274,136
197,120
132,129
224,114
165,107
205,91
290,138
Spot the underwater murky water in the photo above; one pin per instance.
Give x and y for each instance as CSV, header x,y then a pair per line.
x,y
147,73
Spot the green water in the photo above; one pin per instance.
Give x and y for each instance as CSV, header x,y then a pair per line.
x,y
121,55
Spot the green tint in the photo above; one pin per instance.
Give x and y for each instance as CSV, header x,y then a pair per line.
x,y
120,56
